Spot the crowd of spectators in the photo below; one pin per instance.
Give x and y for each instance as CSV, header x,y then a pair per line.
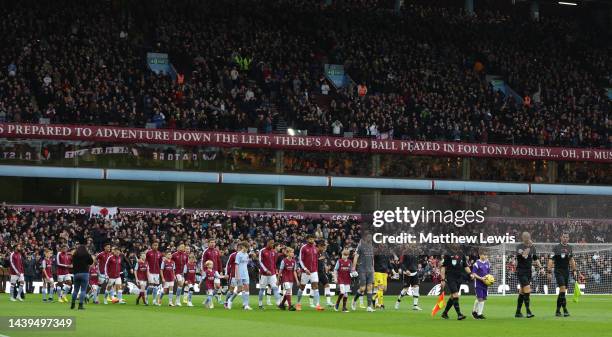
x,y
417,74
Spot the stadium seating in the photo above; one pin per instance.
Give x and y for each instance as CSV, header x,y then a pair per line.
x,y
259,64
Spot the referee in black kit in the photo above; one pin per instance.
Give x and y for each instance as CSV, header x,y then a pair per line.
x,y
562,260
526,256
452,273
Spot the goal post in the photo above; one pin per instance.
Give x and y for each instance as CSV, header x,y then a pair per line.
x,y
593,263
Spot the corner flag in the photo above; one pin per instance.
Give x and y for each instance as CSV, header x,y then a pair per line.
x,y
577,291
439,305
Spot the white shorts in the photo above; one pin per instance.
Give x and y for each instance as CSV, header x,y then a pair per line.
x,y
217,282
179,278
344,289
288,286
312,278
142,284
17,278
64,278
47,280
265,280
114,281
153,279
242,282
168,284
101,279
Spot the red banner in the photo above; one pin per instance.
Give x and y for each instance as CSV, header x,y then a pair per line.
x,y
302,143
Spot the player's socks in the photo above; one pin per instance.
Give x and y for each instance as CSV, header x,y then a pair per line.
x,y
179,291
357,295
338,300
475,307
44,293
344,298
170,297
402,293
262,292
519,303
276,294
149,292
245,298
317,297
219,295
480,308
456,305
379,297
299,296
563,302
449,305
527,302
66,289
12,291
370,299
328,296
415,296
190,294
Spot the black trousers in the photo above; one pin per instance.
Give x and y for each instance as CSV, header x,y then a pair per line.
x,y
29,284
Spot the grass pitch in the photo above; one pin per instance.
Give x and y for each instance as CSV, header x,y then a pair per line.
x,y
592,316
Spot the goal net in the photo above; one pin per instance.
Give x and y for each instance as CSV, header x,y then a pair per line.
x,y
593,262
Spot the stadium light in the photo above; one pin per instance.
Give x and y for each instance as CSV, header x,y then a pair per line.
x,y
290,132
567,3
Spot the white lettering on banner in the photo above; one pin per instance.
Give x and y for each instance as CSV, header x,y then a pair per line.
x,y
319,143
383,145
603,155
350,143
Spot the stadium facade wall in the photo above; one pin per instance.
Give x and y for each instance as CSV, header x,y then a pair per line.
x,y
297,180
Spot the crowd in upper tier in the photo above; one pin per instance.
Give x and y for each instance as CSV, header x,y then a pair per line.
x,y
417,74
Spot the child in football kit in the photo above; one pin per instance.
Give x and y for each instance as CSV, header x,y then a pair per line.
x,y
288,272
47,276
190,277
141,269
167,277
342,271
480,269
210,278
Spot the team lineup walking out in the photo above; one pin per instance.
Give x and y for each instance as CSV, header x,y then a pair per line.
x,y
177,274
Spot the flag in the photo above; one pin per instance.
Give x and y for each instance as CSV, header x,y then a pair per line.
x,y
577,291
439,305
105,212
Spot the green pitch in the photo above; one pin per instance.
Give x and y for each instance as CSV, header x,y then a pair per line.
x,y
592,316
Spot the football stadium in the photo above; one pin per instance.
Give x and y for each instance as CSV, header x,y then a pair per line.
x,y
306,168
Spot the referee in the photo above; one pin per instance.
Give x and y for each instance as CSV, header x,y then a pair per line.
x,y
526,256
452,274
562,260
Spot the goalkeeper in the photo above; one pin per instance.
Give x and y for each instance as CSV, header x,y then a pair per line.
x,y
480,269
